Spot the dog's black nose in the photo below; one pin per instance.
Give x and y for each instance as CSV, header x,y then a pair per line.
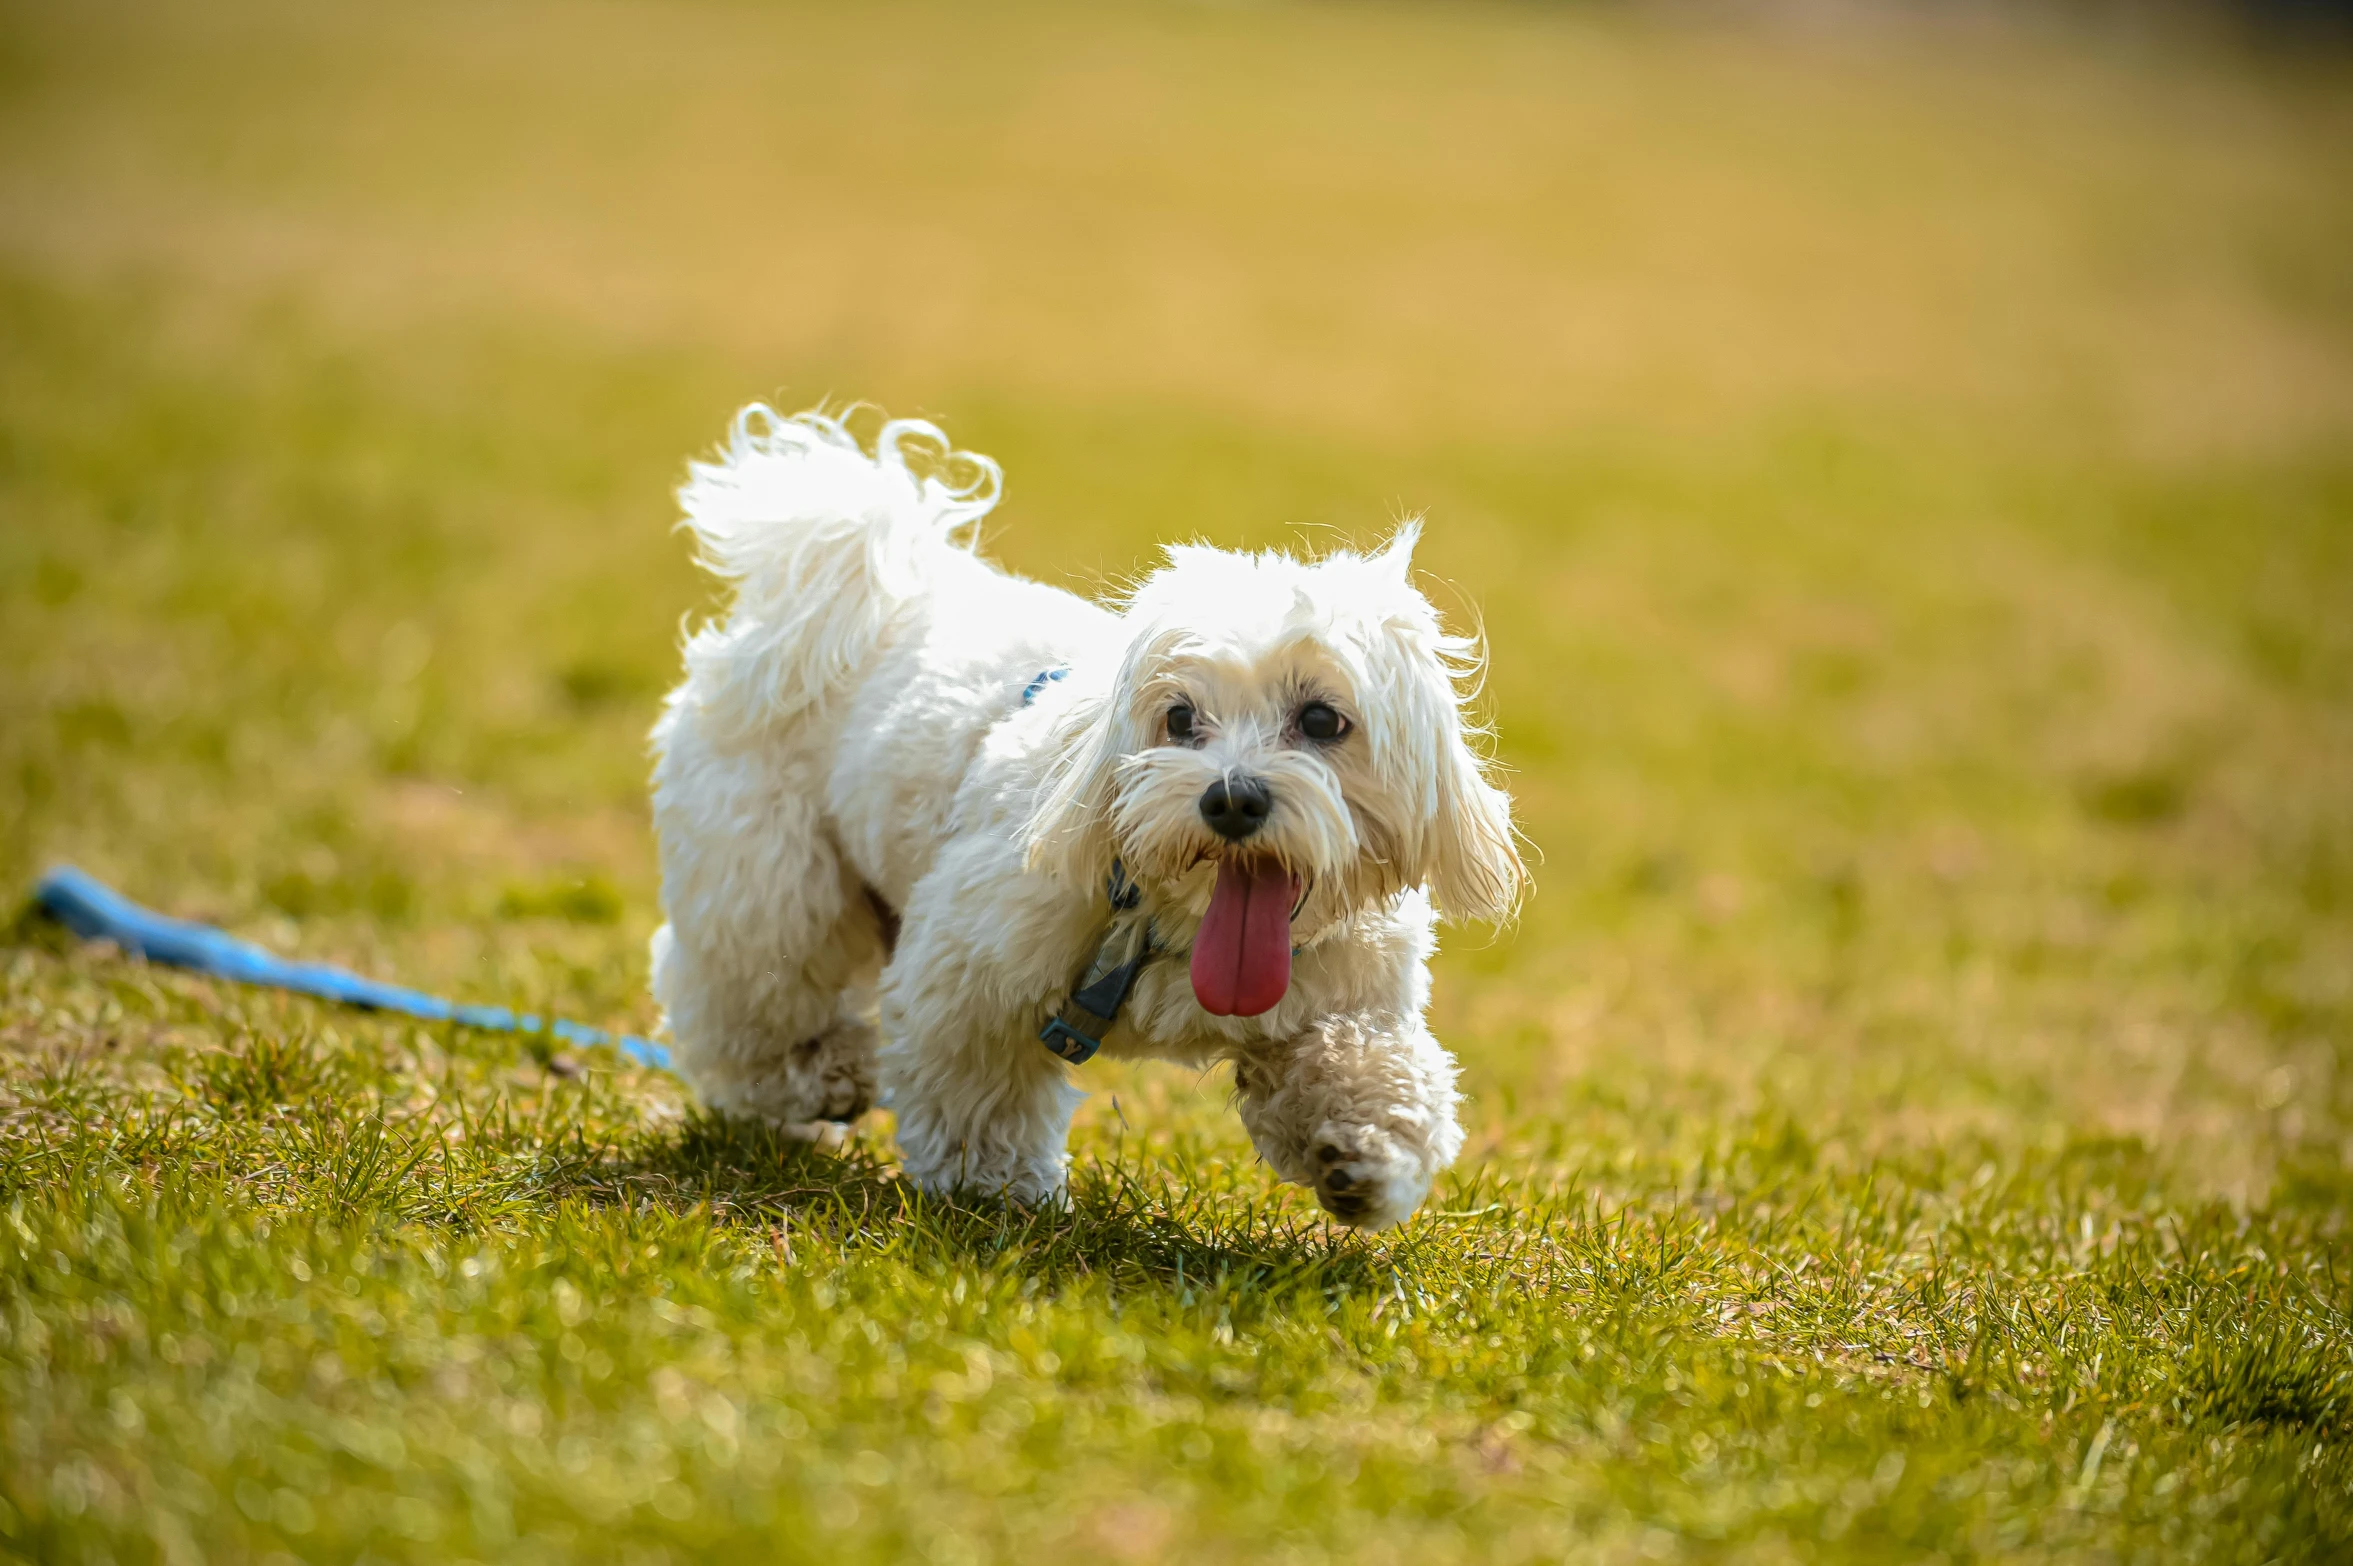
x,y
1236,807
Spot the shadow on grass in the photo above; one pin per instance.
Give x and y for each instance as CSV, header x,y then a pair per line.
x,y
315,1130
31,927
1157,1230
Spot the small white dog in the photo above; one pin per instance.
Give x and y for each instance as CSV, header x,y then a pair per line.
x,y
1015,825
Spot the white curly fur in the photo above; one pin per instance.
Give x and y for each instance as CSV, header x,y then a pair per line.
x,y
850,747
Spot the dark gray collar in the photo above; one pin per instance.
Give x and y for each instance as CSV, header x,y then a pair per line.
x,y
1077,1029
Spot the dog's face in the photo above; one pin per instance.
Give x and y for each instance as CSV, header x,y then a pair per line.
x,y
1283,744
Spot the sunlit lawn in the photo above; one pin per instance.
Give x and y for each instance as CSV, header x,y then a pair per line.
x,y
1906,478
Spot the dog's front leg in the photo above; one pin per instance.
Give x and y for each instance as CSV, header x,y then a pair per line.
x,y
982,1106
978,1113
1360,1108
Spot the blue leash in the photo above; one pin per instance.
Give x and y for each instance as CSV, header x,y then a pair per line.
x,y
95,911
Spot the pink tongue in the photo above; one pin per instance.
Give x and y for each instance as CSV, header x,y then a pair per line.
x,y
1242,955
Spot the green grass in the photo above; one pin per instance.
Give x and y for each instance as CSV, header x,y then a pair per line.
x,y
1904,478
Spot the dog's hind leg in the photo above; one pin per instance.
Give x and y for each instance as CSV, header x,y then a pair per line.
x,y
765,970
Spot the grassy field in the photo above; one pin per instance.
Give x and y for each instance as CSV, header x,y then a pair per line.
x,y
1906,476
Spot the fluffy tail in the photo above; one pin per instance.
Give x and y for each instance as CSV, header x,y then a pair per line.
x,y
825,543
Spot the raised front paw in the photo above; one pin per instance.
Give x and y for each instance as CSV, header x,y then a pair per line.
x,y
1365,1177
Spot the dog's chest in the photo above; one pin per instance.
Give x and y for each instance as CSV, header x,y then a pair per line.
x,y
1163,1021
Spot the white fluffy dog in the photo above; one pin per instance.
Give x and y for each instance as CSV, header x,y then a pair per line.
x,y
1010,824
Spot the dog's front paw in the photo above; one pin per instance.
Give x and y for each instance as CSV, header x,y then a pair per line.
x,y
1365,1177
958,1159
1027,1183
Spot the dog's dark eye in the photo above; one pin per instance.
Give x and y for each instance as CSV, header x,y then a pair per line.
x,y
1320,720
1180,722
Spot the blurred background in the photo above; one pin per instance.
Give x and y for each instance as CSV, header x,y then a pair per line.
x,y
1898,453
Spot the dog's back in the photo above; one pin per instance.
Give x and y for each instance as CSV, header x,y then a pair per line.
x,y
806,765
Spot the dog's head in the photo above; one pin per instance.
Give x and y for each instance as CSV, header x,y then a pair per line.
x,y
1284,743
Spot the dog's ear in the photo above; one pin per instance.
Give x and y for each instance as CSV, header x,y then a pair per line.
x,y
1069,834
1395,558
1460,843
1475,867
